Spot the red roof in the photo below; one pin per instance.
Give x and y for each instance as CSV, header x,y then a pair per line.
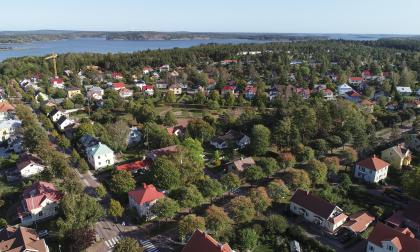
x,y
116,75
145,194
356,78
250,89
202,242
38,192
403,241
147,68
56,81
118,85
133,166
229,88
367,73
230,61
358,222
353,94
6,107
373,163
147,87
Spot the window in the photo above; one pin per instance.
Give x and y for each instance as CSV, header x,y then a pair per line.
x,y
390,248
371,248
40,214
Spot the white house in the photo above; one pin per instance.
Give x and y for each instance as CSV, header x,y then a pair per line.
x,y
148,89
57,83
142,199
371,169
8,128
100,156
55,115
125,93
176,89
64,122
404,90
39,202
230,139
343,89
29,165
384,238
356,81
317,210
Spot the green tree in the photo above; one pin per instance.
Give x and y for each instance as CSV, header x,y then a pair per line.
x,y
118,133
169,119
242,209
318,171
201,130
165,208
296,178
188,197
230,181
268,165
164,174
210,188
80,239
248,239
128,244
260,139
63,142
218,222
79,211
68,104
276,224
253,173
115,209
170,97
278,191
83,166
100,191
122,182
189,224
85,129
3,223
260,198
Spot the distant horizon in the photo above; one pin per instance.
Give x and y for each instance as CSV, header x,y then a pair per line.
x,y
227,32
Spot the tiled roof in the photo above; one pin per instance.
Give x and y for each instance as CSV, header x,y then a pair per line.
x,y
373,163
38,192
359,221
313,203
26,160
133,166
145,194
403,241
118,85
242,164
6,107
202,242
21,239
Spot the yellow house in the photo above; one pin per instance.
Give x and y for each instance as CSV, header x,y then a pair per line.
x,y
398,156
73,91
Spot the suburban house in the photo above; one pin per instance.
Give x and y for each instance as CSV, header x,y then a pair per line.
x,y
366,106
8,128
359,222
176,89
230,139
327,94
250,92
371,169
317,210
343,89
64,122
125,93
409,217
162,85
179,129
228,90
87,141
29,165
384,238
356,81
153,154
133,166
143,198
240,165
95,93
117,86
73,91
41,97
6,110
405,91
57,83
398,156
117,76
353,96
305,93
100,156
134,136
39,202
414,104
55,114
16,239
164,68
201,241
147,70
148,89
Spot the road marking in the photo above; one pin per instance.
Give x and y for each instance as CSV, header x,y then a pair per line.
x,y
148,246
112,242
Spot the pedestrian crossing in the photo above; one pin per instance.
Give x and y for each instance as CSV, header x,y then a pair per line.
x,y
112,242
148,246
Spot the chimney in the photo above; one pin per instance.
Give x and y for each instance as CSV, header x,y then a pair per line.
x,y
144,185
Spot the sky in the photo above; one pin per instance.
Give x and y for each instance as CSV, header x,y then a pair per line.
x,y
277,16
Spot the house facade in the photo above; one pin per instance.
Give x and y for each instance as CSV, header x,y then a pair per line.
x,y
317,210
142,199
39,202
29,165
371,170
8,128
384,238
398,156
16,239
100,156
232,138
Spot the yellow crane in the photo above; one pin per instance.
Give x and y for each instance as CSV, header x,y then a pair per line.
x,y
53,56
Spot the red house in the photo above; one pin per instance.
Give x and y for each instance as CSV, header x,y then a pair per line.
x,y
118,86
200,241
